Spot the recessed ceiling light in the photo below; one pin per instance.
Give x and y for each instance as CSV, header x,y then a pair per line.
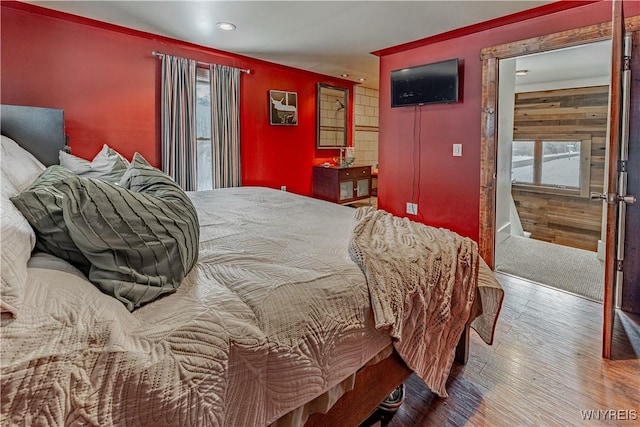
x,y
226,26
344,75
521,72
362,79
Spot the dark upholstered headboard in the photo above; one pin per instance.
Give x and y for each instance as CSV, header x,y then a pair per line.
x,y
38,130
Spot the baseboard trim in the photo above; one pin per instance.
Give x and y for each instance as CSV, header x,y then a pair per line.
x,y
601,250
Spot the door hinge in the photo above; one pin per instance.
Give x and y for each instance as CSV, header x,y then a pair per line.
x,y
622,166
619,265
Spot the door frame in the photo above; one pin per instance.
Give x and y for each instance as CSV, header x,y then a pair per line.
x,y
490,57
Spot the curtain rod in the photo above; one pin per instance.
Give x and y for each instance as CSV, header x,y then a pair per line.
x,y
160,55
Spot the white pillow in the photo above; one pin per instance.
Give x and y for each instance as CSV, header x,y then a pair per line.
x,y
17,239
19,168
108,165
17,242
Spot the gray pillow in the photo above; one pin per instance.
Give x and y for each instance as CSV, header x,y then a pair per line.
x,y
108,165
141,238
41,205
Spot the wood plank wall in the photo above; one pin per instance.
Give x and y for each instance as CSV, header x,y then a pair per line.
x,y
564,219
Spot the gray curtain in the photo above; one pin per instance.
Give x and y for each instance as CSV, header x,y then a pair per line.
x,y
179,120
225,125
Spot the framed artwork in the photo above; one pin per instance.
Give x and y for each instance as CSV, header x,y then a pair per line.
x,y
283,108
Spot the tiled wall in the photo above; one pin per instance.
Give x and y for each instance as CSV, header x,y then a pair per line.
x,y
365,138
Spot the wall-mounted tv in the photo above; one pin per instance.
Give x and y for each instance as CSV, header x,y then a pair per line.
x,y
435,83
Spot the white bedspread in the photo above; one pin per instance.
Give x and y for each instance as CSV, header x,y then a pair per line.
x,y
274,314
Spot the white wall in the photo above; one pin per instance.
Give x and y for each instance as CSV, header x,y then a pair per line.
x,y
506,103
563,84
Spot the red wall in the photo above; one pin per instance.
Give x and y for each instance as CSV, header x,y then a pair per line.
x,y
107,82
446,188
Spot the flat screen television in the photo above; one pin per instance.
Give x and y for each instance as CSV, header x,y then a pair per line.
x,y
435,83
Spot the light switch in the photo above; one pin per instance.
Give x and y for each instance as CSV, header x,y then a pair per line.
x,y
457,150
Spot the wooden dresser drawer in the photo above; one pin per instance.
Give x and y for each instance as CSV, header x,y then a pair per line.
x,y
355,172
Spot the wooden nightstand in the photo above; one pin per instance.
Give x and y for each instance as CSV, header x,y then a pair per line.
x,y
342,185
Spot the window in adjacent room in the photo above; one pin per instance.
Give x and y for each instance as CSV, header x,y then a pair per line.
x,y
204,162
555,165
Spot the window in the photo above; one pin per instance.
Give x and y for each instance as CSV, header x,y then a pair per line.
x,y
204,160
552,164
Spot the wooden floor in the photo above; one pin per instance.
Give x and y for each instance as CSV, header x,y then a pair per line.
x,y
544,369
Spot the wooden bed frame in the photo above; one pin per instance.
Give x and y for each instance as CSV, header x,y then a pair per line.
x,y
41,132
372,385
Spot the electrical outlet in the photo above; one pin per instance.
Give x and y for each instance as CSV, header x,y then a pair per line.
x,y
283,187
412,208
457,150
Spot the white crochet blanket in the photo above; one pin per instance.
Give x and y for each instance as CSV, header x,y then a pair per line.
x,y
422,283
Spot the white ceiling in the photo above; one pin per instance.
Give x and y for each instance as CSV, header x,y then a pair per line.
x,y
326,37
579,66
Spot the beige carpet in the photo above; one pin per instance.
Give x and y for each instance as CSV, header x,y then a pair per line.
x,y
573,270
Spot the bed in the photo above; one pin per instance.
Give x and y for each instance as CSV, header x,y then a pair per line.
x,y
275,324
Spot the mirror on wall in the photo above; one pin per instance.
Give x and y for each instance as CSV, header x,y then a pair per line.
x,y
332,116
